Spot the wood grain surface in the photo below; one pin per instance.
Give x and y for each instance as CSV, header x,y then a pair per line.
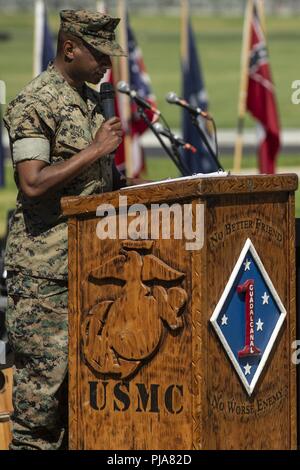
x,y
147,371
236,421
5,408
6,392
5,433
178,191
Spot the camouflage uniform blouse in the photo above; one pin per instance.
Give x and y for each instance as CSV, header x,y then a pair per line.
x,y
50,121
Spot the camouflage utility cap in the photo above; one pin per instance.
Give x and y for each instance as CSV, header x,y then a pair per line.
x,y
96,29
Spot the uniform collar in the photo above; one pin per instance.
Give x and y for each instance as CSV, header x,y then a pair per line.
x,y
92,98
71,95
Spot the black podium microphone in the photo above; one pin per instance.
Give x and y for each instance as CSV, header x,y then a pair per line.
x,y
172,98
107,96
123,87
174,138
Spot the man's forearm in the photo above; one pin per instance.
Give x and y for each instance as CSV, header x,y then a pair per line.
x,y
51,177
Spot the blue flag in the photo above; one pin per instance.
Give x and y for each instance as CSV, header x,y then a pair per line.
x,y
48,50
2,169
194,92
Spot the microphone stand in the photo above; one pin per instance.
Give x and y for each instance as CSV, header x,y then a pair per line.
x,y
174,146
176,162
206,142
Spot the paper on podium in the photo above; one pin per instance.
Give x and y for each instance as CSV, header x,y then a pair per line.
x,y
216,174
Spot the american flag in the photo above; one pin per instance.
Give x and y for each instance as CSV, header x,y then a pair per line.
x,y
139,81
261,101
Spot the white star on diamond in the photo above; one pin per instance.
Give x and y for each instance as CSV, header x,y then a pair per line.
x,y
247,368
265,298
247,265
259,324
224,320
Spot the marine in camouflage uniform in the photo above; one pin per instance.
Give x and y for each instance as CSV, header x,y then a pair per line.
x,y
51,122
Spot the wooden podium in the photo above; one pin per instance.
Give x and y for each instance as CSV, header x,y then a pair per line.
x,y
168,347
6,408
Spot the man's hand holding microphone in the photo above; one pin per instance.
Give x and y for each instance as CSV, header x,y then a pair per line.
x,y
109,136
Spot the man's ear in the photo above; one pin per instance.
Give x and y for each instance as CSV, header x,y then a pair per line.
x,y
69,47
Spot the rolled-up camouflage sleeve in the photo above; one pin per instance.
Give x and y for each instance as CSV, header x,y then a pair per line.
x,y
31,148
31,125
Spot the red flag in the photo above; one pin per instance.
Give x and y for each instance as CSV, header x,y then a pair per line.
x,y
136,127
261,101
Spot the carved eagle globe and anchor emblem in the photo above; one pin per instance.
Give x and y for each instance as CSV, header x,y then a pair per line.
x,y
121,335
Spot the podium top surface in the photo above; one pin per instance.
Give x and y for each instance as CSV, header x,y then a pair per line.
x,y
182,188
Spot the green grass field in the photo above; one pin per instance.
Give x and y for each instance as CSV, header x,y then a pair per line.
x,y
219,44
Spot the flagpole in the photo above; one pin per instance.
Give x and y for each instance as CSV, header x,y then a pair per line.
x,y
184,30
262,15
37,41
243,88
2,164
101,6
125,107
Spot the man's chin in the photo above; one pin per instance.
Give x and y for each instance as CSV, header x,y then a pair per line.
x,y
94,80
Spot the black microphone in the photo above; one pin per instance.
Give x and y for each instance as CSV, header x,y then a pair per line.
x,y
173,137
123,87
172,98
107,96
